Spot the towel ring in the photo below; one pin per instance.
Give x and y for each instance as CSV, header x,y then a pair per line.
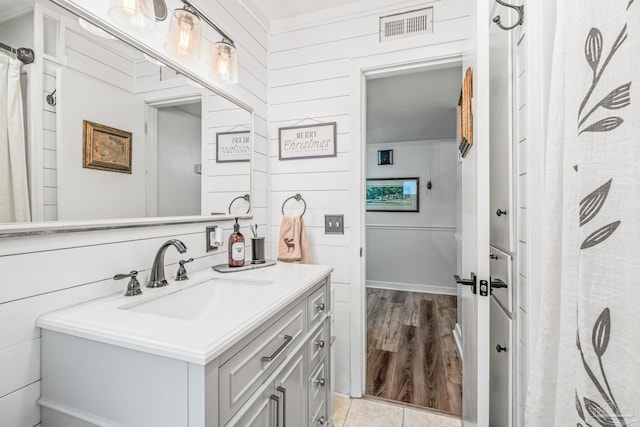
x,y
297,197
244,197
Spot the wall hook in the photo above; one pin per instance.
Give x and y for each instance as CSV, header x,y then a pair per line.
x,y
51,98
519,9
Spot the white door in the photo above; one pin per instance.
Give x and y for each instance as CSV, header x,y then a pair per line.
x,y
475,228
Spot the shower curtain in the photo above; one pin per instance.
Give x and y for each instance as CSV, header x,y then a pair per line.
x,y
585,369
14,194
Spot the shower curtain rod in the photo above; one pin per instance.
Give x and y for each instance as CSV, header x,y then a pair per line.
x,y
24,54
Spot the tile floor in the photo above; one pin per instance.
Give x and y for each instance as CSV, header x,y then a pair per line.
x,y
371,413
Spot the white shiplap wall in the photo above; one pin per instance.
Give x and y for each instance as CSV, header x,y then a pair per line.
x,y
521,106
47,272
311,60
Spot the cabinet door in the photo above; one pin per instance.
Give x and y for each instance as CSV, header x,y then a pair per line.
x,y
500,396
261,413
501,137
290,388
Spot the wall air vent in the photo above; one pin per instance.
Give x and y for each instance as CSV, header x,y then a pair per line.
x,y
406,24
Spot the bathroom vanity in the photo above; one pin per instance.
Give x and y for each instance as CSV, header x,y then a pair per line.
x,y
242,349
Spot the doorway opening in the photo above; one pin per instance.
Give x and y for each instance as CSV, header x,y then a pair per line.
x,y
412,214
174,151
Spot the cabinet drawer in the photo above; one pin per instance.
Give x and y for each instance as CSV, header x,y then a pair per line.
x,y
318,345
318,383
318,415
242,374
501,269
318,305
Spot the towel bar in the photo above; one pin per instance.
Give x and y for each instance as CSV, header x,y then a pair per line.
x,y
298,198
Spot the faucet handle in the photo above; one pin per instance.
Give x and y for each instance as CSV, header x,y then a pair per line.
x,y
182,271
133,288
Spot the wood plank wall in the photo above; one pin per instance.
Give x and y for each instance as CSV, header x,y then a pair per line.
x,y
310,63
48,272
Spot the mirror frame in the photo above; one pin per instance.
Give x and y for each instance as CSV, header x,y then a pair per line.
x,y
53,227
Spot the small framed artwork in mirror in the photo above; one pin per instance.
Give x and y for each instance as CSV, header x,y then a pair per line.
x,y
385,157
233,146
106,148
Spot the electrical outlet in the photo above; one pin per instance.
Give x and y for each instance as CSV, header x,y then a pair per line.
x,y
334,224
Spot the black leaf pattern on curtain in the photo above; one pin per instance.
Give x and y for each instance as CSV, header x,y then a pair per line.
x,y
605,125
600,235
608,415
618,98
591,205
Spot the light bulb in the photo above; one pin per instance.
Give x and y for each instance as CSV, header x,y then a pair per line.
x,y
225,61
135,14
131,7
184,34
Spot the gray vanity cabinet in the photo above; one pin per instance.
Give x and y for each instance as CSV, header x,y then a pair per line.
x,y
276,375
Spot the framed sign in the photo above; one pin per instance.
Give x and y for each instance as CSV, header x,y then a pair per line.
x,y
105,148
233,146
393,195
303,142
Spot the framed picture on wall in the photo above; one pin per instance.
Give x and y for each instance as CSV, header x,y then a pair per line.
x,y
106,148
385,157
393,195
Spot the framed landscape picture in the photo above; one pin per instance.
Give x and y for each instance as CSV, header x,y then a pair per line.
x,y
393,195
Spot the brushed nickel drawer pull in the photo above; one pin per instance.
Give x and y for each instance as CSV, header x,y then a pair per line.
x,y
319,344
283,390
321,420
320,306
276,399
321,382
287,340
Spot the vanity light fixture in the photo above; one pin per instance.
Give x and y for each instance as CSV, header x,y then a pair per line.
x,y
184,42
138,15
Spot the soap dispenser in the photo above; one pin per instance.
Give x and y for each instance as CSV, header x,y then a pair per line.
x,y
236,247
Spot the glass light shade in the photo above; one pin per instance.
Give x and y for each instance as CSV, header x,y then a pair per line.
x,y
138,15
184,35
224,63
89,27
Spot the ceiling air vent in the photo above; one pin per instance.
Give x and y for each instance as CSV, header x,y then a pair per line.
x,y
406,24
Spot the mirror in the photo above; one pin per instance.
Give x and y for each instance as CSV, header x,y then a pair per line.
x,y
123,136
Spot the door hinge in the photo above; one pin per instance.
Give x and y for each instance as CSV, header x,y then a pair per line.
x,y
360,251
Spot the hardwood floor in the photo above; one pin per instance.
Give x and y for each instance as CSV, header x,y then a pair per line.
x,y
411,353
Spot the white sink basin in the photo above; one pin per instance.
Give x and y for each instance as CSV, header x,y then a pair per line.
x,y
190,303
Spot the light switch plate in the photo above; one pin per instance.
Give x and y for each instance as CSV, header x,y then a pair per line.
x,y
334,224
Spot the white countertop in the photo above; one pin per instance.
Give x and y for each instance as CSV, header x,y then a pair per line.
x,y
200,339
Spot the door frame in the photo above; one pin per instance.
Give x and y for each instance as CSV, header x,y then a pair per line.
x,y
151,131
361,69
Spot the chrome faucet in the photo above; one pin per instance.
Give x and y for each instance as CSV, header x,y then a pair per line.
x,y
157,279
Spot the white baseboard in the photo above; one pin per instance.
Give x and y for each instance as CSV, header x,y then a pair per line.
x,y
457,335
412,287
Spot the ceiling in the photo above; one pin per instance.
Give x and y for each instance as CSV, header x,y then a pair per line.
x,y
279,9
413,107
12,8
